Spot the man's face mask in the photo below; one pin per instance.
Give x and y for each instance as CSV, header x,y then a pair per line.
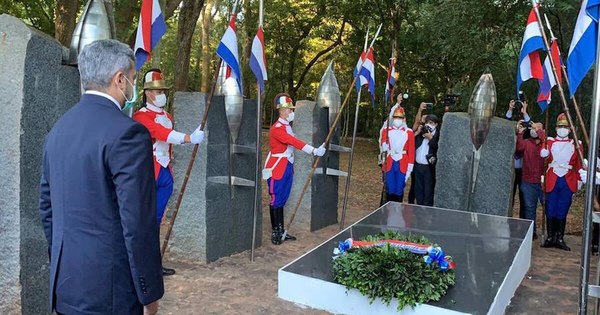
x,y
533,133
132,99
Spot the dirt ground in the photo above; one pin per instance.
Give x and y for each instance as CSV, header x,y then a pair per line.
x,y
235,285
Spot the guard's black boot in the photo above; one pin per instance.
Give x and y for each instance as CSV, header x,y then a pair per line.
x,y
395,198
275,235
560,233
550,232
285,236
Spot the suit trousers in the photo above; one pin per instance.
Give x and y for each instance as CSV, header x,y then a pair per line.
x,y
424,184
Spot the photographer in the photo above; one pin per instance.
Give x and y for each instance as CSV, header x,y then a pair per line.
x,y
426,142
530,142
418,124
521,107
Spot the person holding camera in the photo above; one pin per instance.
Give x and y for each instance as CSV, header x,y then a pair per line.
x,y
418,124
518,159
398,143
521,109
426,142
562,176
530,142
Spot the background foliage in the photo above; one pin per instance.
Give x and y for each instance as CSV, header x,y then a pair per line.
x,y
441,46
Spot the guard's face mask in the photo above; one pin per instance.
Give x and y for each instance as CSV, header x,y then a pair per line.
x,y
562,132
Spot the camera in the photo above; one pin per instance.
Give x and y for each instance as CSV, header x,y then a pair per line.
x,y
519,101
428,105
451,99
429,130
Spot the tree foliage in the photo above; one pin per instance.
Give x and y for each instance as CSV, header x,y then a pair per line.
x,y
440,46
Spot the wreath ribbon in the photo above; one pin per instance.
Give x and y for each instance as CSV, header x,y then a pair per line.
x,y
432,253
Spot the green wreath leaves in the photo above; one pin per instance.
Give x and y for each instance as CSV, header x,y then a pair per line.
x,y
388,272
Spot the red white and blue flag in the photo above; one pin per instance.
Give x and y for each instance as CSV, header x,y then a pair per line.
x,y
228,51
529,59
391,79
258,62
150,30
582,52
360,81
365,69
548,81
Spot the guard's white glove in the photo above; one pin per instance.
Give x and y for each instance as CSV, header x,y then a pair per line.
x,y
197,136
320,151
385,147
544,153
583,175
408,172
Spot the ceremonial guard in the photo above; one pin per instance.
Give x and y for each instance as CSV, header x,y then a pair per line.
x,y
279,166
562,178
160,125
398,143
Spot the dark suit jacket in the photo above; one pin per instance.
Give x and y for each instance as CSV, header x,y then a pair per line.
x,y
433,143
98,210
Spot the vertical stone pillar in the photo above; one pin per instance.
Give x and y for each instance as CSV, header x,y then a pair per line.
x,y
37,89
319,204
493,187
215,219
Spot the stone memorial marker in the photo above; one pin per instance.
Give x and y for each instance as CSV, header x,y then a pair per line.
x,y
36,90
493,187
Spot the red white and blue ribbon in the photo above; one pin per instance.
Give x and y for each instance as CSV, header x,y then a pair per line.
x,y
432,253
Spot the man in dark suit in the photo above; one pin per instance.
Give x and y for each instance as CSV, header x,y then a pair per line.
x,y
426,142
97,201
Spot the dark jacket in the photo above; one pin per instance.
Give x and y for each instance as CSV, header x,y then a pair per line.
x,y
98,210
433,143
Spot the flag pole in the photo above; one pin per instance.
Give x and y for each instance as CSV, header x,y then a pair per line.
x,y
347,185
257,178
327,140
193,157
560,89
586,138
590,189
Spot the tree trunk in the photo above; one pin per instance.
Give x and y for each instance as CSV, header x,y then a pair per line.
x,y
190,11
207,19
126,16
65,15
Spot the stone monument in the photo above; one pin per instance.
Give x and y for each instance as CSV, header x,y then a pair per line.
x,y
494,181
313,124
36,89
319,204
215,218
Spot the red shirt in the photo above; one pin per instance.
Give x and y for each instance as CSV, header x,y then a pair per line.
x,y
533,163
